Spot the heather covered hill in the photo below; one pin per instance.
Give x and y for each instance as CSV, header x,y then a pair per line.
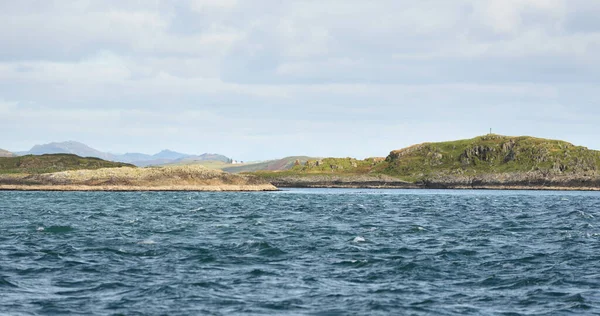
x,y
32,164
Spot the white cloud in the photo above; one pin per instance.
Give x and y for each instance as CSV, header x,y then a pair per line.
x,y
7,107
507,16
303,68
200,5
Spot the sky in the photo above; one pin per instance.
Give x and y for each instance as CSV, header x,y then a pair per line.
x,y
262,79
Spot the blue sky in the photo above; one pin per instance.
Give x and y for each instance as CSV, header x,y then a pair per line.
x,y
256,79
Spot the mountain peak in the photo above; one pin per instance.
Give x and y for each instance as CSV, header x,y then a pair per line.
x,y
80,149
68,147
169,154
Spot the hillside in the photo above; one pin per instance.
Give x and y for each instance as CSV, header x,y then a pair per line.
x,y
490,160
491,154
271,165
5,153
178,178
31,164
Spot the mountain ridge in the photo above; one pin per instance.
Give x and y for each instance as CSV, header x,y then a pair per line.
x,y
139,159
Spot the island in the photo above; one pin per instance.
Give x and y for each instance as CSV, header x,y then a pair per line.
x,y
484,162
67,172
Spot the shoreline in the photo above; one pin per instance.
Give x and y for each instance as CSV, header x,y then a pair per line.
x,y
126,188
279,187
448,187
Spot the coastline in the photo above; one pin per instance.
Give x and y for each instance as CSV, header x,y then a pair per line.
x,y
450,187
278,187
127,188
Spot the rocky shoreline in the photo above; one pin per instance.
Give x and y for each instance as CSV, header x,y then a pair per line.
x,y
509,181
123,188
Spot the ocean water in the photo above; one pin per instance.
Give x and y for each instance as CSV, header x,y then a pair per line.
x,y
300,252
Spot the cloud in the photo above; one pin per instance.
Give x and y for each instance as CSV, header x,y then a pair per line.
x,y
238,76
200,5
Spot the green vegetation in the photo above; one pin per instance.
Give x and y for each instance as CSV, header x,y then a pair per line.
x,y
210,164
272,165
31,164
338,165
489,154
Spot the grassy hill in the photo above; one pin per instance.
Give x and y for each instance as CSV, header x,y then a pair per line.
x,y
493,158
271,165
491,154
32,164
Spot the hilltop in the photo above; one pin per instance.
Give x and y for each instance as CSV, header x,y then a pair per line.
x,y
68,147
31,164
5,153
492,161
491,154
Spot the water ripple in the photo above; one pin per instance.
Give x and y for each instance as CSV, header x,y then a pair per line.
x,y
301,251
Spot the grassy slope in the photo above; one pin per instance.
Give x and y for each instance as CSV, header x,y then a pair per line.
x,y
32,164
490,154
210,164
271,165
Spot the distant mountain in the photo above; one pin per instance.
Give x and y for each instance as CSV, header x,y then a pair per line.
x,y
69,147
133,157
169,155
6,153
139,159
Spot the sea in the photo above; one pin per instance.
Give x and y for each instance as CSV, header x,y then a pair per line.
x,y
300,252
